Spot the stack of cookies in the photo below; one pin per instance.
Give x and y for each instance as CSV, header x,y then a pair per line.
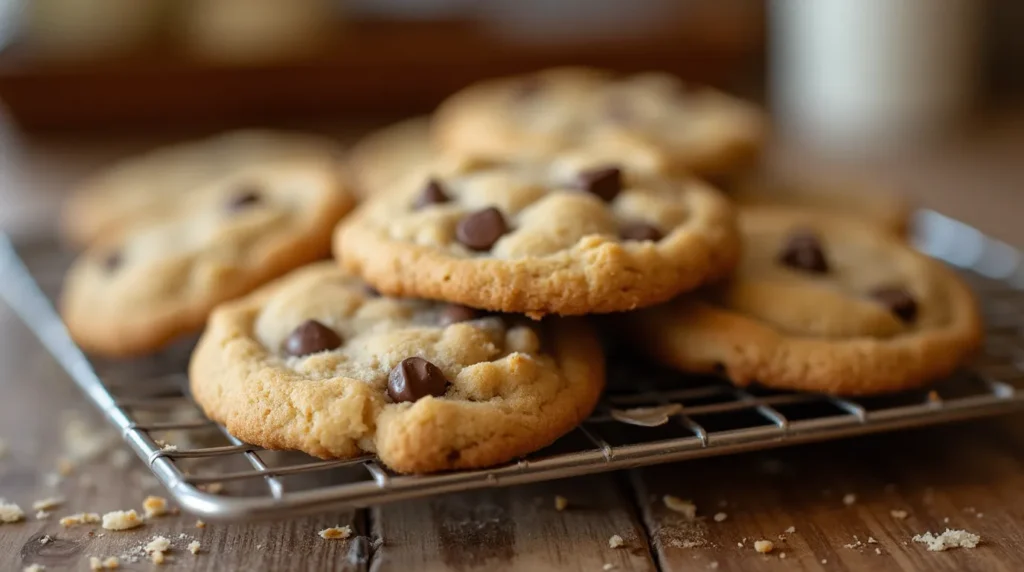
x,y
450,331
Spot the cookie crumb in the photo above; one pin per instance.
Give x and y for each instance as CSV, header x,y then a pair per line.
x,y
824,560
713,565
10,512
561,503
782,556
948,539
42,515
616,541
45,539
871,540
165,446
212,488
945,520
110,563
158,544
683,507
739,544
121,520
200,524
849,499
980,515
790,530
80,518
898,514
65,466
646,416
608,566
193,547
336,532
720,517
878,551
763,546
34,568
154,506
259,547
47,503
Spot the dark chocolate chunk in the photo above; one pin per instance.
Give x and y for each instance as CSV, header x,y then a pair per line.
x,y
311,337
414,378
481,229
639,231
433,193
455,313
605,182
370,291
898,300
803,251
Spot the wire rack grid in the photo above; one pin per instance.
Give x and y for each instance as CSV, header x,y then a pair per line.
x,y
214,475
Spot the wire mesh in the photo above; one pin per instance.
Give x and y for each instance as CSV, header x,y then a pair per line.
x,y
214,475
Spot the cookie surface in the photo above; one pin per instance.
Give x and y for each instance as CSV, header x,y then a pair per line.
x,y
381,158
137,290
819,303
319,363
151,183
576,235
650,120
843,195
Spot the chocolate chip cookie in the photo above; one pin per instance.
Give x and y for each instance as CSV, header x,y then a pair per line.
x,y
577,235
136,290
154,182
319,362
651,120
819,303
871,201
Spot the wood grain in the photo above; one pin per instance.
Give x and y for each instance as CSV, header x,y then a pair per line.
x,y
35,393
517,528
970,474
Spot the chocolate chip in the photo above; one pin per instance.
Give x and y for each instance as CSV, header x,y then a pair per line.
x,y
414,378
898,300
113,261
311,337
639,231
481,229
605,182
244,198
370,291
432,194
455,313
803,252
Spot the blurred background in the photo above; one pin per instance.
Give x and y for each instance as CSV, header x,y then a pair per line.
x,y
848,77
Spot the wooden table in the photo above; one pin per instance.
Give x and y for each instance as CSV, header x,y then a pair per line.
x,y
968,476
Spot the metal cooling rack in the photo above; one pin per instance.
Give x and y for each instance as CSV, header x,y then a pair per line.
x,y
212,474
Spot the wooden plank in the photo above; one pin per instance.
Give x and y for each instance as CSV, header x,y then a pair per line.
x,y
512,529
35,393
970,474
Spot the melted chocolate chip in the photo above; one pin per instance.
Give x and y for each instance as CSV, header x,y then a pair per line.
x,y
414,378
433,193
112,261
455,313
639,231
803,252
481,229
898,300
605,182
244,198
370,291
311,337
